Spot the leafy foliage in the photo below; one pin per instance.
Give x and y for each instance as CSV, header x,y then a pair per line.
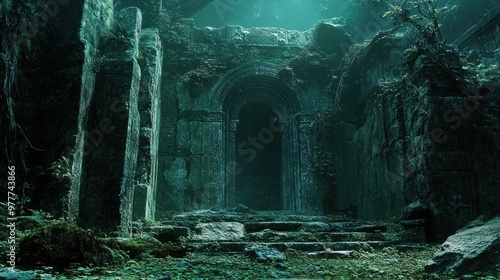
x,y
61,171
421,14
481,71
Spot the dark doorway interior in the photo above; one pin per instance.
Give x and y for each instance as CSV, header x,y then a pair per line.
x,y
258,153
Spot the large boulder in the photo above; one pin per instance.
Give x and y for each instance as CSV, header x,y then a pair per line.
x,y
264,254
221,231
473,248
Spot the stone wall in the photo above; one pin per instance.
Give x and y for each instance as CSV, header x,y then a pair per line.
x,y
424,136
371,129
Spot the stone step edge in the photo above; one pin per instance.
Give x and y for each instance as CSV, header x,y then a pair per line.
x,y
341,235
314,226
295,226
283,246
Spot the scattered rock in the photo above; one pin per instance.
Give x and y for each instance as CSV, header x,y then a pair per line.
x,y
264,254
7,274
469,250
222,231
330,254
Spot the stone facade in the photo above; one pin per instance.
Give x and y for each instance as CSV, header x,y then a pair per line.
x,y
202,159
215,117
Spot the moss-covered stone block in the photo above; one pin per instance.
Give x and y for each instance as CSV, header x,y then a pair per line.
x,y
62,244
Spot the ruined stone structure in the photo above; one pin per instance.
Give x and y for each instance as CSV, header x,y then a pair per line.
x,y
216,154
176,117
118,121
232,115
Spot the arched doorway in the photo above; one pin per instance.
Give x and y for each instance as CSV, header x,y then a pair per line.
x,y
239,94
259,155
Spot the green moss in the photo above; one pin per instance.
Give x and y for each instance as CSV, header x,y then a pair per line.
x,y
106,13
61,244
142,247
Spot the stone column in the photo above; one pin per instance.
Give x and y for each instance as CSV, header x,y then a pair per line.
x,y
111,140
231,164
213,167
151,53
288,152
309,198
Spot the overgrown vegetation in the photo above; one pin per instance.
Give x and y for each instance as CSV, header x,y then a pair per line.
x,y
60,170
384,264
424,16
421,14
480,71
61,244
58,250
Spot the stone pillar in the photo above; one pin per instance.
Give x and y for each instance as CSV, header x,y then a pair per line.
x,y
112,131
309,199
151,52
213,162
150,9
231,165
289,166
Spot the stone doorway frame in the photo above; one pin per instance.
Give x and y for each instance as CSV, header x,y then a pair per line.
x,y
260,82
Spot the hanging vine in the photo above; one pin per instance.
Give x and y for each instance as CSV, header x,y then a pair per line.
x,y
16,23
17,39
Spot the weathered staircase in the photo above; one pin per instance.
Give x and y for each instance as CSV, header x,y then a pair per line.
x,y
322,236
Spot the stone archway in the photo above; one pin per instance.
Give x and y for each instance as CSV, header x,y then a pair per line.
x,y
259,83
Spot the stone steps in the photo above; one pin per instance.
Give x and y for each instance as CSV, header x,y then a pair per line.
x,y
353,226
283,236
231,232
237,247
208,216
295,226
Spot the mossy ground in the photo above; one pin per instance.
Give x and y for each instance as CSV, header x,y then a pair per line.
x,y
383,264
